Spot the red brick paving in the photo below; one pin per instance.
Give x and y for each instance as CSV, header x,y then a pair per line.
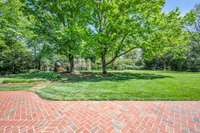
x,y
25,112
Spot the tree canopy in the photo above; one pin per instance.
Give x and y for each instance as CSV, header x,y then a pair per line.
x,y
104,30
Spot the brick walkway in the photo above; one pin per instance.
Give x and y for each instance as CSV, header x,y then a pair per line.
x,y
25,112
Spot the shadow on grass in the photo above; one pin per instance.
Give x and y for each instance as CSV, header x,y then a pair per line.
x,y
116,76
87,76
37,75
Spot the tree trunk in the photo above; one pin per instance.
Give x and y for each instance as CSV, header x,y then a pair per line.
x,y
39,64
103,62
164,65
71,62
13,69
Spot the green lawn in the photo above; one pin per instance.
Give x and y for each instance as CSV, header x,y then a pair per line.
x,y
126,85
25,81
15,87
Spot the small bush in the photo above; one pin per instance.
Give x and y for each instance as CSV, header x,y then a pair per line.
x,y
36,75
44,75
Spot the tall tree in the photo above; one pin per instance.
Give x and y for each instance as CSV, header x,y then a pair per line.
x,y
13,51
119,26
170,39
62,23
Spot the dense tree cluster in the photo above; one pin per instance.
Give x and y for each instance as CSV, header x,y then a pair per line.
x,y
36,34
186,58
193,55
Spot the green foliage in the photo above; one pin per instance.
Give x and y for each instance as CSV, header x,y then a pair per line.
x,y
167,62
169,36
37,33
61,23
127,64
14,56
170,42
182,51
38,75
120,26
193,56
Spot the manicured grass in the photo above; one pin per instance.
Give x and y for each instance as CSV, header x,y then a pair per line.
x,y
30,77
126,85
13,80
15,88
25,81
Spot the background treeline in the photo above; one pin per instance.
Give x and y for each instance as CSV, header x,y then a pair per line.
x,y
69,35
189,59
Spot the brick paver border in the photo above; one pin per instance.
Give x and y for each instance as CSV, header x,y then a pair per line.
x,y
25,112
